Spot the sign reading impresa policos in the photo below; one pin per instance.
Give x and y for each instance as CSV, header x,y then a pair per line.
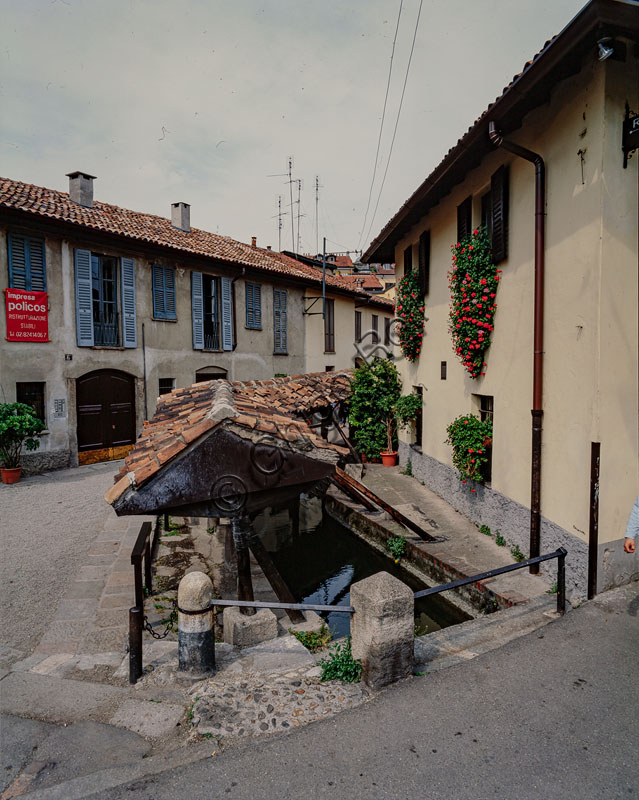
x,y
27,316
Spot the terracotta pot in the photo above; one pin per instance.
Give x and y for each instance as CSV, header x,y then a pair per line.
x,y
389,459
10,474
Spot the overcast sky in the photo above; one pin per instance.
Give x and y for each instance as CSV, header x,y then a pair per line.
x,y
203,100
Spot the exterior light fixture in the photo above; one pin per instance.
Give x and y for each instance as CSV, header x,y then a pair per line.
x,y
605,48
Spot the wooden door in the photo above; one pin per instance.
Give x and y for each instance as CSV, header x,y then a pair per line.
x,y
105,402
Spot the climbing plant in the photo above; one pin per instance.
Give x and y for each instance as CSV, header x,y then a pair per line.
x,y
470,438
409,310
473,281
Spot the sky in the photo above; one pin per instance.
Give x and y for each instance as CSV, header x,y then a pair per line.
x,y
204,101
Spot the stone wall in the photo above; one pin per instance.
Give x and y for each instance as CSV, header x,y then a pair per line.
x,y
35,463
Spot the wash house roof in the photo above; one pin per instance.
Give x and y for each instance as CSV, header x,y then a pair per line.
x,y
559,58
225,434
52,204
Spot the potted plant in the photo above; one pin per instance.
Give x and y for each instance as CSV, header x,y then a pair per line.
x,y
19,427
377,409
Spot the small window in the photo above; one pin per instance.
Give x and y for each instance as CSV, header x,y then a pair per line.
x,y
32,394
419,419
443,370
387,331
329,326
329,368
408,259
464,219
375,324
253,305
210,374
166,385
163,279
358,326
486,411
27,267
211,305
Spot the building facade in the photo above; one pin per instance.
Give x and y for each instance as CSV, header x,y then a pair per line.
x,y
134,306
568,109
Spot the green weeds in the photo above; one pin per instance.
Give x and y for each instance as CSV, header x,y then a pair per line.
x,y
313,641
396,546
340,665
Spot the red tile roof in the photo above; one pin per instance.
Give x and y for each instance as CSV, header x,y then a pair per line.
x,y
366,281
104,217
277,407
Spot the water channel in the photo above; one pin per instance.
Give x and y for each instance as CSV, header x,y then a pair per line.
x,y
320,563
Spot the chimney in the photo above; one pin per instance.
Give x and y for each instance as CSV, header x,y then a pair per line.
x,y
181,216
81,188
269,247
253,241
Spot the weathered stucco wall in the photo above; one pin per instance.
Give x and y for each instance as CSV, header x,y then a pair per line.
x,y
590,361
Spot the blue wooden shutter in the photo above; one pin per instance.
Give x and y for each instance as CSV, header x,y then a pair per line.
x,y
129,327
17,262
197,310
257,304
157,275
37,268
279,320
169,293
250,304
227,313
283,321
83,299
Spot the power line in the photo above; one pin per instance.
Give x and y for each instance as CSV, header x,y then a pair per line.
x,y
399,111
381,127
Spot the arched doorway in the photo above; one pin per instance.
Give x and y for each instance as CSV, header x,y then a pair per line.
x,y
105,401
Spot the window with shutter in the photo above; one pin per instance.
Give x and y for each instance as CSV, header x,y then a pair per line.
x,y
329,326
464,219
424,262
408,259
280,343
83,299
499,213
27,263
375,324
358,326
163,287
253,305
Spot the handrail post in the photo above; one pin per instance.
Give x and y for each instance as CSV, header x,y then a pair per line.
x,y
167,524
135,643
137,577
561,581
148,578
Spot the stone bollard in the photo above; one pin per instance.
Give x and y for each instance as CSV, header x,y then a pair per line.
x,y
382,629
196,632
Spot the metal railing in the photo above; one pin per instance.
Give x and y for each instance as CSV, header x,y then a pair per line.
x,y
141,559
559,554
106,329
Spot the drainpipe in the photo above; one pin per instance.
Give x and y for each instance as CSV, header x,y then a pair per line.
x,y
538,345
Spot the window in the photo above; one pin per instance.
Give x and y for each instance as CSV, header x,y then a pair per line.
x,y
358,326
494,213
253,305
27,268
329,368
464,219
97,306
163,292
443,370
419,419
211,302
486,411
166,385
32,394
210,374
375,324
280,342
486,216
387,331
424,262
329,326
408,259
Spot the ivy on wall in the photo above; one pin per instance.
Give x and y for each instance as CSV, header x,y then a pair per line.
x,y
473,281
409,310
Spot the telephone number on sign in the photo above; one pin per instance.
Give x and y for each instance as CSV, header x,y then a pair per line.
x,y
29,335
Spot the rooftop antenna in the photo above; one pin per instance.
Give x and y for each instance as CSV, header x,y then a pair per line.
x,y
317,188
279,216
299,204
290,183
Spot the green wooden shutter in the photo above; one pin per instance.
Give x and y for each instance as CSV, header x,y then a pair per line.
x,y
424,262
226,292
129,326
83,299
197,310
499,213
464,219
408,259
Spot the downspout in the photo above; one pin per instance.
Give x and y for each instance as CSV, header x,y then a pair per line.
x,y
538,343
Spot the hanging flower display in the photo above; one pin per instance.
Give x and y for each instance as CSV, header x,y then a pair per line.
x,y
473,282
409,310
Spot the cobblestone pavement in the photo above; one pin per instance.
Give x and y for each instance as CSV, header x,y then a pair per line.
x,y
275,704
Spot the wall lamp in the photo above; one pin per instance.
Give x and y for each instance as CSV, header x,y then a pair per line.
x,y
606,48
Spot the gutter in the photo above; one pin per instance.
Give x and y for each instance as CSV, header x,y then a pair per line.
x,y
538,337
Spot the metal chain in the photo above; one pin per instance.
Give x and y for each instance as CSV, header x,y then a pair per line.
x,y
172,619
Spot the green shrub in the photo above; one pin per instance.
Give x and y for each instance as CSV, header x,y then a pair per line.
x,y
470,438
19,427
340,665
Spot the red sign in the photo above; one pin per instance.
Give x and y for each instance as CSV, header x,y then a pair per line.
x,y
27,316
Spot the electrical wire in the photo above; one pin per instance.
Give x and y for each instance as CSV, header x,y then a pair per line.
x,y
399,111
381,128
